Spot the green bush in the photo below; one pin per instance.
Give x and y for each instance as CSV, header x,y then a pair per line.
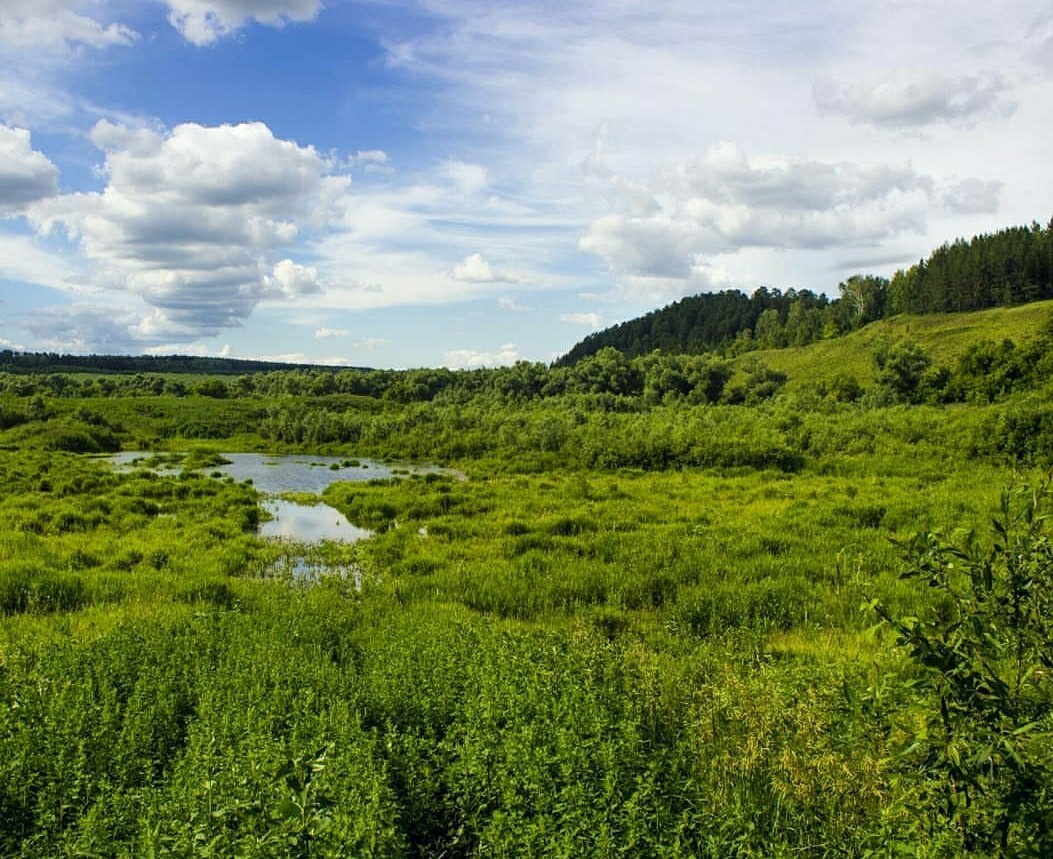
x,y
984,658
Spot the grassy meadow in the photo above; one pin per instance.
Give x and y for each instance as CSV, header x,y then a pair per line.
x,y
794,624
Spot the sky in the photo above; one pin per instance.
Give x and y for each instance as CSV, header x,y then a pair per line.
x,y
466,183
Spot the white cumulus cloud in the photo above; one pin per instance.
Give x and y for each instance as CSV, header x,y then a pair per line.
x,y
26,175
203,22
474,268
291,280
192,220
725,201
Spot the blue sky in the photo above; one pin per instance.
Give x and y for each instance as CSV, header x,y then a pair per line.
x,y
400,183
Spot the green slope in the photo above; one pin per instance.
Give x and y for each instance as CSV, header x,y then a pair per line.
x,y
943,336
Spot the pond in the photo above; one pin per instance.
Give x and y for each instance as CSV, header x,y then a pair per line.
x,y
273,475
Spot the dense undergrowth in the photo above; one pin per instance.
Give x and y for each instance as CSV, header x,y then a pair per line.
x,y
634,628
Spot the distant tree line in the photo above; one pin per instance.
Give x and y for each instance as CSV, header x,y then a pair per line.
x,y
1013,266
53,362
657,378
608,410
903,372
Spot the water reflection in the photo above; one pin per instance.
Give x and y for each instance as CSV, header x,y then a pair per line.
x,y
307,528
304,523
317,537
275,475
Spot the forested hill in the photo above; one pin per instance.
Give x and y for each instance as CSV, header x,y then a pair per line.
x,y
1010,267
700,323
50,362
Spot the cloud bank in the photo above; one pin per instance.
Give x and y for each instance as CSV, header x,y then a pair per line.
x,y
725,201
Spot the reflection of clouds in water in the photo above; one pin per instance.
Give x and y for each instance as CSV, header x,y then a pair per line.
x,y
309,524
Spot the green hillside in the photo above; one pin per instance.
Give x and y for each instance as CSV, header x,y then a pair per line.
x,y
944,336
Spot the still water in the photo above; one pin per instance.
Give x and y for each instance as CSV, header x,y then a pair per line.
x,y
275,475
303,523
306,527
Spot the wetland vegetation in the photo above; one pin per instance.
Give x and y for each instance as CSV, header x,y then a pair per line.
x,y
791,603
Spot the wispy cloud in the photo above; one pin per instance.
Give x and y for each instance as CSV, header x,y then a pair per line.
x,y
414,239
23,259
915,98
371,161
327,333
57,24
360,344
507,302
590,320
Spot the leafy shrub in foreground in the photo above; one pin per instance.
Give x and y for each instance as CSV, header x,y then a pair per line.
x,y
984,659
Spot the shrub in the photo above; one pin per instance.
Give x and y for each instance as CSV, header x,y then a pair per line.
x,y
984,654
